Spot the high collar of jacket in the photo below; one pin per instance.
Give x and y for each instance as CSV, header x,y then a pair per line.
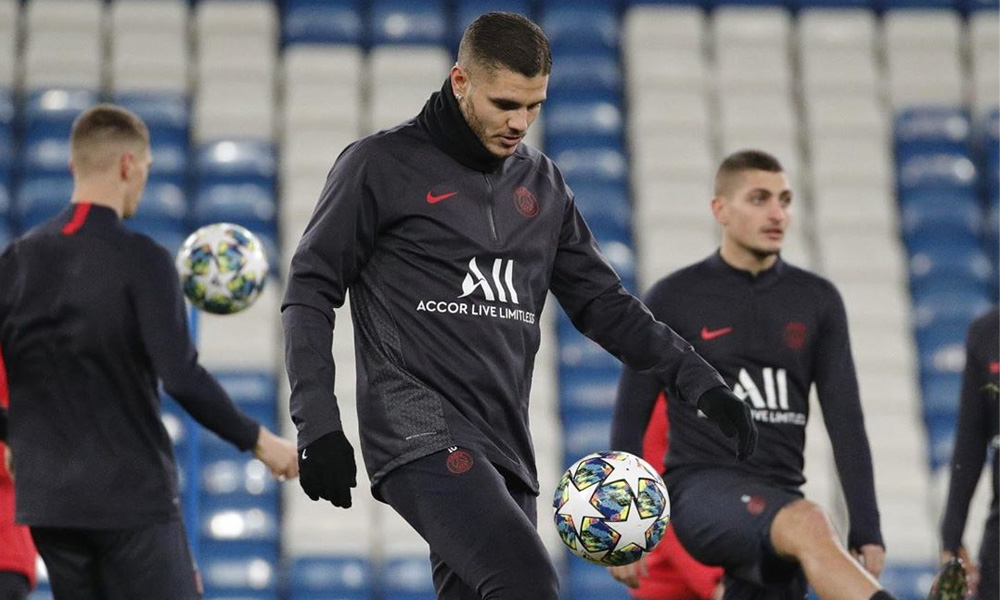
x,y
451,133
765,277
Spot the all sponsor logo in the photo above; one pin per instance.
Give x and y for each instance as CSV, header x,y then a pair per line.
x,y
771,404
486,293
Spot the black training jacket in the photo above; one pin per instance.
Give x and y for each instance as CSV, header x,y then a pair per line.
x,y
448,255
772,336
978,428
90,315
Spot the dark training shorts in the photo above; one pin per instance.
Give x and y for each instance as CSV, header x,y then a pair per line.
x,y
480,527
724,518
152,562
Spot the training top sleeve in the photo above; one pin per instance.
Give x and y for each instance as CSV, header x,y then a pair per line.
x,y
162,317
337,243
637,392
592,295
837,386
972,437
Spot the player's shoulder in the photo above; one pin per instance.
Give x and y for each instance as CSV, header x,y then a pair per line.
x,y
141,248
986,324
808,280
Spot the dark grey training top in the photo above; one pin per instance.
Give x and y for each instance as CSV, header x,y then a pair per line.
x,y
771,336
90,315
448,255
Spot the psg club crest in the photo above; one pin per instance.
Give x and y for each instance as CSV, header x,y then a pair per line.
x,y
795,335
525,202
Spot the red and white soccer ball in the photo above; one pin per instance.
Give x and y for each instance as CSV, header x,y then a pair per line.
x,y
611,508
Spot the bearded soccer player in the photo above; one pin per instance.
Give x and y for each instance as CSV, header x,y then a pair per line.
x,y
772,330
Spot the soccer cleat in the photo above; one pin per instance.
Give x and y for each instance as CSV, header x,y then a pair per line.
x,y
950,584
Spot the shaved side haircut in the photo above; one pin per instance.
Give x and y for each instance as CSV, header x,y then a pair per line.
x,y
102,133
739,162
503,40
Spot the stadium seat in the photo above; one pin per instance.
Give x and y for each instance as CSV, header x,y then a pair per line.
x,y
63,44
597,118
581,389
935,170
942,214
322,22
41,198
586,581
585,72
908,581
250,205
322,578
245,571
956,269
244,518
940,393
584,163
932,130
49,113
585,432
581,25
149,46
406,579
237,162
405,22
940,439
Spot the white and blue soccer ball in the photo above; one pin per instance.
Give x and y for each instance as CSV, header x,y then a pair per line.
x,y
611,508
222,268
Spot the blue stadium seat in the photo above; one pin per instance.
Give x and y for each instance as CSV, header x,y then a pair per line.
x,y
248,570
163,203
237,162
322,22
39,198
249,388
991,157
46,156
933,130
585,432
942,350
250,205
49,113
940,393
580,24
609,202
241,480
582,389
7,109
466,11
940,212
7,153
921,4
940,439
583,163
165,114
599,120
243,519
908,581
940,170
962,269
976,5
407,22
587,581
807,4
323,578
407,579
585,71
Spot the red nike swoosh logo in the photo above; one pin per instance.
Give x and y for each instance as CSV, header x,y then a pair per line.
x,y
432,199
711,334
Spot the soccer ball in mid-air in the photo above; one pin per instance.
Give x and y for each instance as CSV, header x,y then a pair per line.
x,y
222,268
611,508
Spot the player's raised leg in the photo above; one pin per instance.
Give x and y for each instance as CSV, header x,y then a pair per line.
x,y
802,530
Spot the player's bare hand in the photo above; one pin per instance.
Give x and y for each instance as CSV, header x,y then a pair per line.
x,y
278,454
871,557
629,574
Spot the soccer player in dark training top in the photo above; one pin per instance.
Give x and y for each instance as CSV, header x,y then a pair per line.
x,y
91,317
449,233
978,428
772,330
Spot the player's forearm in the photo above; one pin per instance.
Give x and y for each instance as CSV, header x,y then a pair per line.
x,y
971,445
311,372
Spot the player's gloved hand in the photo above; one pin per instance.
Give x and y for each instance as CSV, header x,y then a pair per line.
x,y
732,415
327,469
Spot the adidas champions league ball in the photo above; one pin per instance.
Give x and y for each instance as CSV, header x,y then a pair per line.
x,y
611,508
222,268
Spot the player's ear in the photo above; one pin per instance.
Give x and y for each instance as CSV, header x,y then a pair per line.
x,y
125,164
720,209
459,80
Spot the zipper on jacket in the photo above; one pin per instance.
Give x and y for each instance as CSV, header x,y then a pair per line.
x,y
490,218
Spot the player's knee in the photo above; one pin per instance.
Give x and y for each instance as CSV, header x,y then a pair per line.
x,y
800,526
537,581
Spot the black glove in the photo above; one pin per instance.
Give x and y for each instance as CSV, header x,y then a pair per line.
x,y
327,469
732,415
